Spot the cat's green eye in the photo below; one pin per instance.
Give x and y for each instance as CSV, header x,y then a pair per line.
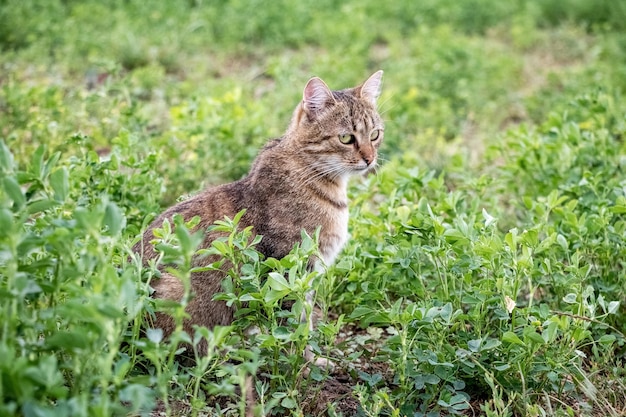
x,y
374,135
347,139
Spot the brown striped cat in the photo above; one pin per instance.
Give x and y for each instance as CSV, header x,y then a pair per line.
x,y
296,182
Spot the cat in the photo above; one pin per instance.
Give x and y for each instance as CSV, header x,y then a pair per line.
x,y
297,182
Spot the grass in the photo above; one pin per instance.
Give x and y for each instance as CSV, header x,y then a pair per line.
x,y
485,270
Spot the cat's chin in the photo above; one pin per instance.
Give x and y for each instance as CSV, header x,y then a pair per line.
x,y
365,172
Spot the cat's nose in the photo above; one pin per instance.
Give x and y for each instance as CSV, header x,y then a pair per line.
x,y
368,158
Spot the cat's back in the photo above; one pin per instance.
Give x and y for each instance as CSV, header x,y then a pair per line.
x,y
213,203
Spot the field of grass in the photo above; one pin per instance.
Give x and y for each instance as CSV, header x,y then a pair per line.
x,y
486,270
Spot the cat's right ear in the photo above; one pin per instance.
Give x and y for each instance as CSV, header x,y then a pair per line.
x,y
370,89
316,97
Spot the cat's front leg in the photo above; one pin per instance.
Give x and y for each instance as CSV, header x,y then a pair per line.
x,y
308,351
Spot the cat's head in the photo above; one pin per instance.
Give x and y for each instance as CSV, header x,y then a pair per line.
x,y
339,132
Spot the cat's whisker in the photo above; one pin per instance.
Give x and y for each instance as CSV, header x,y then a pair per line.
x,y
319,174
341,172
382,160
305,180
384,112
312,172
382,104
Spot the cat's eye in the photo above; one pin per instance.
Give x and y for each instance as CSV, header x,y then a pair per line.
x,y
347,139
374,135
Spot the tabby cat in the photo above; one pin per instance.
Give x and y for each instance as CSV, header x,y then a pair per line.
x,y
296,182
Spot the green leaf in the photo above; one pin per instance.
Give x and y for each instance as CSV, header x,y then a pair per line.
x,y
50,163
14,191
533,336
360,311
403,213
459,401
489,219
140,396
114,219
613,307
474,345
36,166
455,236
490,343
154,335
550,332
249,297
251,254
288,403
67,340
6,222
571,298
59,181
267,341
431,379
47,372
512,338
6,158
221,247
41,205
446,312
272,296
511,239
278,282
372,380
238,217
620,206
560,239
24,285
281,333
607,339
184,238
502,367
89,220
220,333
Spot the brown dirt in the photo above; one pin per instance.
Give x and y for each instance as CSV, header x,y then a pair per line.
x,y
336,392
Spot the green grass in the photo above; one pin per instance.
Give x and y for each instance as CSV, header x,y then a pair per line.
x,y
485,270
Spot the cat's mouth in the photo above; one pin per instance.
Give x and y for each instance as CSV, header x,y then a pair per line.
x,y
364,168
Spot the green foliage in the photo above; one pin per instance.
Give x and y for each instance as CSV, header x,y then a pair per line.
x,y
472,307
71,338
598,14
569,184
484,272
65,305
216,138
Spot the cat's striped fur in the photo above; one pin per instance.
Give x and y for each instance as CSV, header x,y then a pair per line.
x,y
296,182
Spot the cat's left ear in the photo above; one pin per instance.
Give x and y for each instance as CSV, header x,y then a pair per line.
x,y
370,89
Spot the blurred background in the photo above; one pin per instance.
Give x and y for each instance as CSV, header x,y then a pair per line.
x,y
214,79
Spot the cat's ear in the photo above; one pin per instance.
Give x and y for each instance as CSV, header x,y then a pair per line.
x,y
370,89
316,96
